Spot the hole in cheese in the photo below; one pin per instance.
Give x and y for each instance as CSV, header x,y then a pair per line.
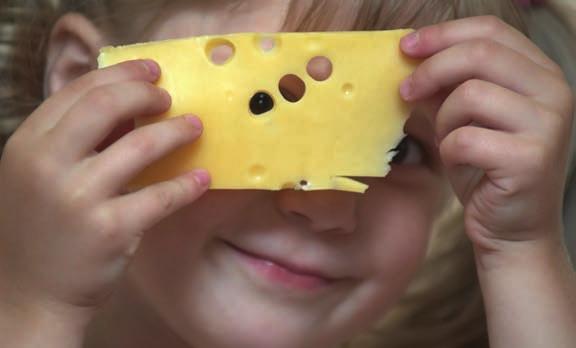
x,y
220,51
267,44
292,88
320,68
261,103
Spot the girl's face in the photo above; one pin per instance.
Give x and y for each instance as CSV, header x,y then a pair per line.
x,y
290,268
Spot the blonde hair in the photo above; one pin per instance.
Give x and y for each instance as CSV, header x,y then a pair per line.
x,y
553,28
443,307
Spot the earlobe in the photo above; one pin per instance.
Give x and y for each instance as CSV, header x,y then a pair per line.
x,y
72,51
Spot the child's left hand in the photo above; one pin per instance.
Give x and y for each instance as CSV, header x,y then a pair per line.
x,y
503,134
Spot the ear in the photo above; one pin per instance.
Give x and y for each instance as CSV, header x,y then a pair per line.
x,y
72,51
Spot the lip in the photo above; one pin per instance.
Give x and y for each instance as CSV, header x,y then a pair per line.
x,y
281,272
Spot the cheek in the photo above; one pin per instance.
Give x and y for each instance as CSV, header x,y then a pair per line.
x,y
399,221
400,247
405,246
169,253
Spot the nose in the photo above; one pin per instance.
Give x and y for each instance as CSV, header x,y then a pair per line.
x,y
321,211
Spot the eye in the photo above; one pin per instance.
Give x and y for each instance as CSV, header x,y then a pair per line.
x,y
409,152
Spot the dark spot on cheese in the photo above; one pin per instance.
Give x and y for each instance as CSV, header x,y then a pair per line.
x,y
261,103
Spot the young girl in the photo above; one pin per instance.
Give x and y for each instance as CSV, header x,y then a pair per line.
x,y
83,263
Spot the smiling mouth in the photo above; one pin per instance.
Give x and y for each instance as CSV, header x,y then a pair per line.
x,y
279,273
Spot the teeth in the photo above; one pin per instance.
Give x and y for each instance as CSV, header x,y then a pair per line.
x,y
272,264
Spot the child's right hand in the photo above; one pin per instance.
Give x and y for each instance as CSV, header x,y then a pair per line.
x,y
67,227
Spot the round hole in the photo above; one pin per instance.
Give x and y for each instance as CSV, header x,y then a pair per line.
x,y
304,183
292,88
261,103
320,68
267,44
220,51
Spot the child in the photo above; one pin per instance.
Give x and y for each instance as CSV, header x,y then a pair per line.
x,y
85,263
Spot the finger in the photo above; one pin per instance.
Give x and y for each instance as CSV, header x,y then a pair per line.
x,y
487,105
99,111
481,148
123,160
485,60
504,158
50,112
150,205
430,40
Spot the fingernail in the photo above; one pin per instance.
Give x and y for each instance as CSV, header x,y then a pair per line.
x,y
202,177
152,67
410,41
167,96
407,88
195,121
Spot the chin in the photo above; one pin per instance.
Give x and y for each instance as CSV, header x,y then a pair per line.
x,y
234,320
257,338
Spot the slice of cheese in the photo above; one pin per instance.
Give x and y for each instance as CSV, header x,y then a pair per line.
x,y
343,127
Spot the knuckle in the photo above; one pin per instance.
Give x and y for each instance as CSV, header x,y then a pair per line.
x,y
106,226
102,98
492,25
556,69
432,33
462,138
141,143
459,142
79,195
471,91
441,32
167,198
481,50
89,80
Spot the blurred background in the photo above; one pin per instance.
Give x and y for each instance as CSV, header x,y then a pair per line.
x,y
553,28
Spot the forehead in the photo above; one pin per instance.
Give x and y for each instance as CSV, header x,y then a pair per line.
x,y
190,18
184,18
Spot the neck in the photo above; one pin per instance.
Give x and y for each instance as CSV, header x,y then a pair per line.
x,y
127,322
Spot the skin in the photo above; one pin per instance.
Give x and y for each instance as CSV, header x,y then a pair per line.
x,y
182,283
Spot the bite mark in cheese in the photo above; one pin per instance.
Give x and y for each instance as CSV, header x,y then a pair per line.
x,y
342,127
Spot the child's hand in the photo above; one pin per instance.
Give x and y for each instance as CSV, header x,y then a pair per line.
x,y
503,135
67,226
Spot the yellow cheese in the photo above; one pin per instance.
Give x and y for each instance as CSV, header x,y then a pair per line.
x,y
341,128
